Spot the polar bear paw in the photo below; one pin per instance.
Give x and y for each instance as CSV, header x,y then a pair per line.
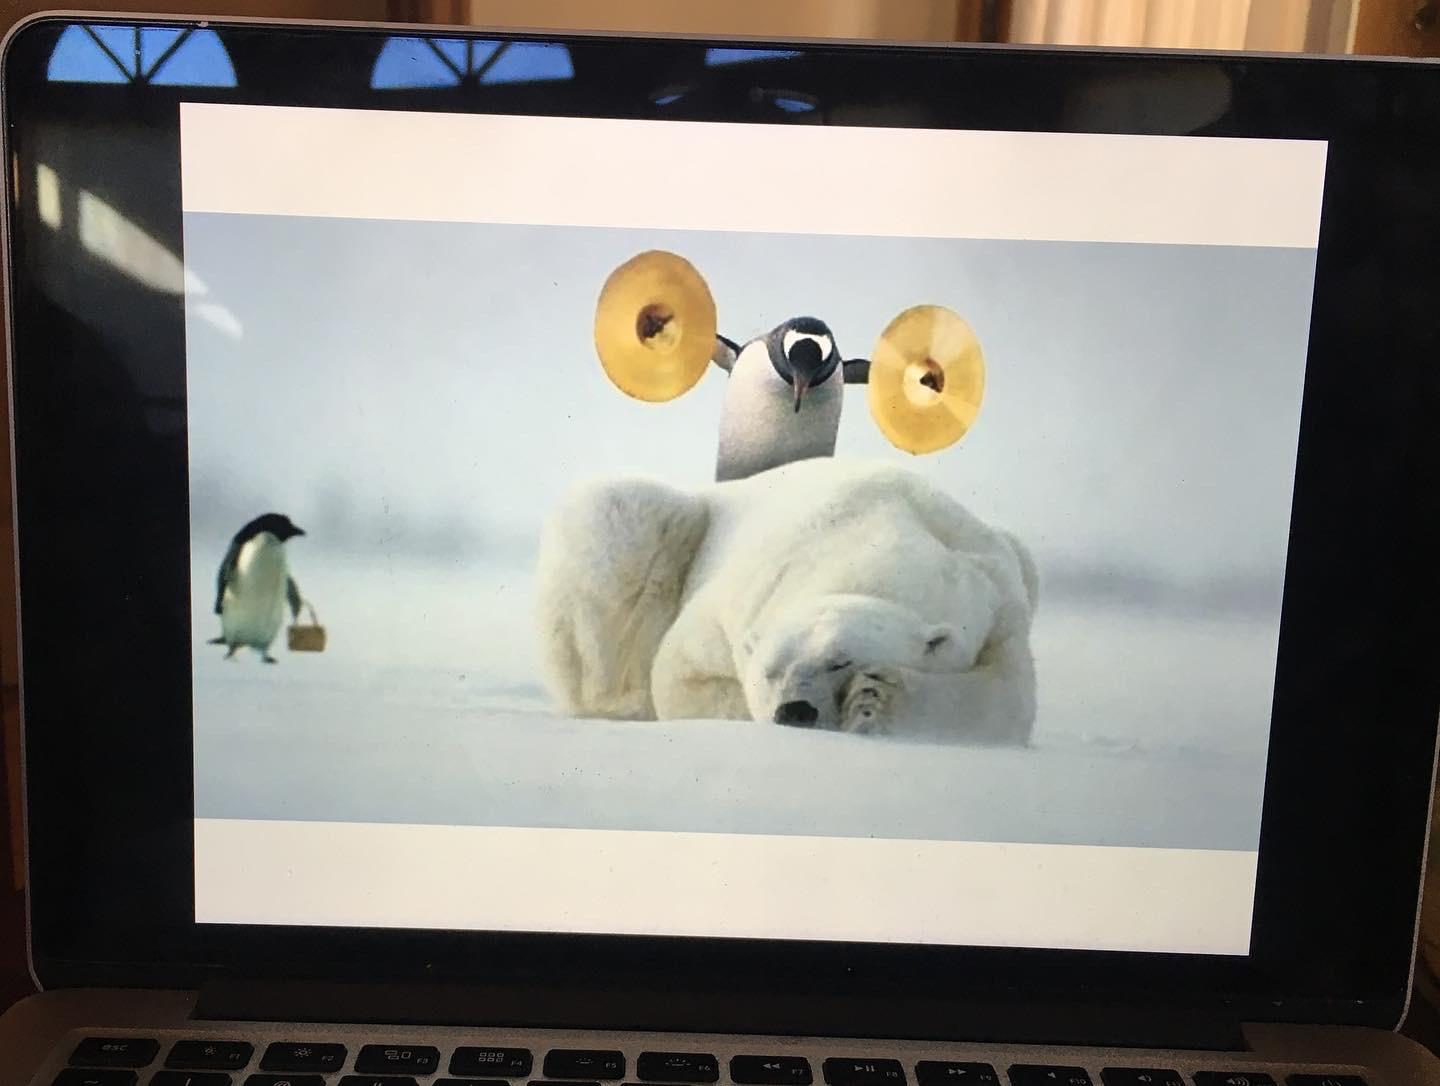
x,y
871,702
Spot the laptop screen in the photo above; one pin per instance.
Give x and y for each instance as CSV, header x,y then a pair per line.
x,y
737,530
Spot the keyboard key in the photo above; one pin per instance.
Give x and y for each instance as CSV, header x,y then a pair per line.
x,y
189,1078
568,1082
770,1071
210,1055
398,1059
75,1076
474,1082
1039,1074
584,1063
299,1056
283,1080
945,1073
491,1062
378,1080
677,1067
861,1072
1233,1078
115,1052
1325,1080
1141,1076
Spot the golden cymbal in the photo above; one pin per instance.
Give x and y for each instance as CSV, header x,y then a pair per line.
x,y
927,378
655,326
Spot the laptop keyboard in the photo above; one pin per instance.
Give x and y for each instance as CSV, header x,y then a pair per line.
x,y
770,1071
224,1061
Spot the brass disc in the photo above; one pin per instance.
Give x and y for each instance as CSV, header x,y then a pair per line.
x,y
655,326
927,378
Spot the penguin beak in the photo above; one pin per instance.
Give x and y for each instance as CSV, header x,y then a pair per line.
x,y
801,383
805,360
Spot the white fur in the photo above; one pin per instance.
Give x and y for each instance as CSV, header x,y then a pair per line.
x,y
732,600
612,568
759,427
253,608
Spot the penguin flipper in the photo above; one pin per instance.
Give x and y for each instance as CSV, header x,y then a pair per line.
x,y
292,596
227,571
726,351
857,371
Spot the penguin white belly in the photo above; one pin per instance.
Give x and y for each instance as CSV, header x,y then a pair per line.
x,y
759,426
254,605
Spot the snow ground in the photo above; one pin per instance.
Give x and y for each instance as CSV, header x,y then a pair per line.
x,y
425,709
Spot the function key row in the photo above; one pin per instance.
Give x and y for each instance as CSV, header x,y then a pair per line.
x,y
1141,1076
491,1062
770,1071
124,1076
115,1052
399,1064
75,1076
1037,1074
289,1079
849,1071
686,1067
210,1055
585,1063
946,1073
397,1060
302,1056
886,1072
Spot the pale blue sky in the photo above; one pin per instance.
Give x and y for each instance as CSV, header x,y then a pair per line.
x,y
434,386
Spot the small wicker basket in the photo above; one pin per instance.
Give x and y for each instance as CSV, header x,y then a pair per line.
x,y
307,637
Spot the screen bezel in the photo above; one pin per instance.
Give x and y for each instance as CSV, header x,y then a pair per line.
x,y
110,810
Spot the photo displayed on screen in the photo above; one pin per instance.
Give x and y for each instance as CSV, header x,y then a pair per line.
x,y
515,514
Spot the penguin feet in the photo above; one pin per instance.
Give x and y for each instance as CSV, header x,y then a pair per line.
x,y
230,651
870,702
267,658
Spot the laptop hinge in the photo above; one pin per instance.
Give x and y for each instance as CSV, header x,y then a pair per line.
x,y
551,1007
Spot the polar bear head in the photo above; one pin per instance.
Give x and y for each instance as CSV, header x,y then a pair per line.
x,y
798,666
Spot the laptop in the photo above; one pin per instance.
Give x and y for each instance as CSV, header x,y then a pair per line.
x,y
580,559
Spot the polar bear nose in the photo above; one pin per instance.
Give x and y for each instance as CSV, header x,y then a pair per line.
x,y
800,713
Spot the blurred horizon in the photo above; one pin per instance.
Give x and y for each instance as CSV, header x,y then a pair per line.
x,y
429,391
334,525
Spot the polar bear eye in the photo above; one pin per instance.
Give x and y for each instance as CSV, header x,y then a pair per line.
x,y
837,665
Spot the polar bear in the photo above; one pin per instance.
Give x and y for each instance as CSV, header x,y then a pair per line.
x,y
825,593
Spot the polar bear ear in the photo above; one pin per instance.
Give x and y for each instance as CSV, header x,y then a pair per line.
x,y
936,638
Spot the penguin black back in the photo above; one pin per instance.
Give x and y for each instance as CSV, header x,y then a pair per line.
x,y
277,524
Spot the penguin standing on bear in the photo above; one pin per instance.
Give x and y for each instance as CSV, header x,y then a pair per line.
x,y
254,586
783,399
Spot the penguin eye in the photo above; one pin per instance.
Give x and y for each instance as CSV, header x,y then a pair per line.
x,y
837,665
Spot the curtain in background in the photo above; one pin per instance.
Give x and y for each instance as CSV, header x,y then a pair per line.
x,y
1311,26
917,20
